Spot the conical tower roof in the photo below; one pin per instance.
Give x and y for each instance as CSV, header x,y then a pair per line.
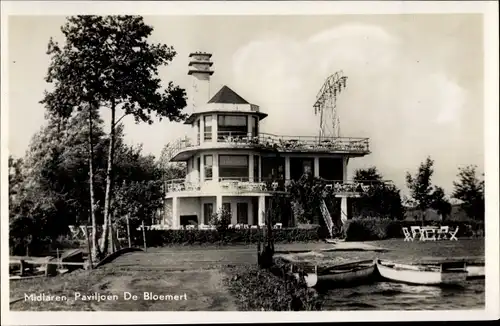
x,y
227,95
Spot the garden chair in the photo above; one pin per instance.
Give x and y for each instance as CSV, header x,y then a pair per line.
x,y
416,232
453,234
407,234
278,225
443,231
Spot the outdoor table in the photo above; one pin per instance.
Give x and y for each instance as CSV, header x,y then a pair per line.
x,y
425,232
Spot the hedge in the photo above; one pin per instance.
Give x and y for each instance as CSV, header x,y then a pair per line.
x,y
159,238
365,229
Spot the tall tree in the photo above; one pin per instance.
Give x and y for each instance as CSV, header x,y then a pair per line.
x,y
107,62
469,189
423,194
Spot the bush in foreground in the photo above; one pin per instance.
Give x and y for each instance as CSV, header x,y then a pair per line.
x,y
260,290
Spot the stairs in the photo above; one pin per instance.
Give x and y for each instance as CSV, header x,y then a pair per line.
x,y
327,217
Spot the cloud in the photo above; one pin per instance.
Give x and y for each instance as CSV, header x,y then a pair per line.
x,y
407,108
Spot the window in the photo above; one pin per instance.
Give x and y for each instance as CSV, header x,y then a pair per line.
x,y
208,162
208,210
226,207
242,213
231,126
233,166
255,127
208,127
256,169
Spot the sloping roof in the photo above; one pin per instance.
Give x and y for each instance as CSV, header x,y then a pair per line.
x,y
227,95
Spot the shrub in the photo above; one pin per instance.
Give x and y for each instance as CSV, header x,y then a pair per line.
x,y
261,290
158,238
365,229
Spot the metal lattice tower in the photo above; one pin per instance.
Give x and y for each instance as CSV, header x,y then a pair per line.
x,y
326,105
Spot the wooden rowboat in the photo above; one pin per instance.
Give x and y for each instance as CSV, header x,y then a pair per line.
x,y
339,275
358,272
437,274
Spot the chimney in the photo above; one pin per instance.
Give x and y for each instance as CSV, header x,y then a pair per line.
x,y
199,68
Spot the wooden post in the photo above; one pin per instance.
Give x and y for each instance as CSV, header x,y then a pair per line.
x,y
88,247
144,236
128,231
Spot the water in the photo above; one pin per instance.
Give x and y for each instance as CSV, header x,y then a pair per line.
x,y
398,296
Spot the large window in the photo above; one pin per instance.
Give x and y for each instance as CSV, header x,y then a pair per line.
x,y
208,163
233,166
255,127
231,126
242,213
208,127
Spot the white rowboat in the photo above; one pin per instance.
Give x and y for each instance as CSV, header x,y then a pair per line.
x,y
439,274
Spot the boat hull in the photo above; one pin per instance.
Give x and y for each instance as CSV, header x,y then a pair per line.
x,y
420,275
475,272
347,274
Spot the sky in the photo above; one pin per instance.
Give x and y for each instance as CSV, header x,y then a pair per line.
x,y
415,81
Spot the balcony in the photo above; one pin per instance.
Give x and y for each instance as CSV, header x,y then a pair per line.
x,y
237,186
265,141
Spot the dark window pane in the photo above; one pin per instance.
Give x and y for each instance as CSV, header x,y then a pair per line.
x,y
242,212
208,162
208,210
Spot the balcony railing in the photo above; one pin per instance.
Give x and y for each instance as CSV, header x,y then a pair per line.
x,y
283,143
242,185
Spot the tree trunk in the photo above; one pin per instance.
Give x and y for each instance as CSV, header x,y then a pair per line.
x,y
109,185
95,248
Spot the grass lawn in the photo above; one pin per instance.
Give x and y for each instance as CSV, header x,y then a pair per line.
x,y
197,272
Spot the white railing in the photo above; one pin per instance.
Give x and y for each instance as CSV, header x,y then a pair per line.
x,y
244,184
281,143
327,217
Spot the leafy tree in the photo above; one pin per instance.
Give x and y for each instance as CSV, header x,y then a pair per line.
x,y
171,170
139,191
423,194
307,194
106,62
381,199
53,176
469,189
368,175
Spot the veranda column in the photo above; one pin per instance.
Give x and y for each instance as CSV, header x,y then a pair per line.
x,y
287,168
343,210
202,129
345,160
215,167
316,166
202,170
218,203
214,127
262,210
260,169
175,213
250,168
